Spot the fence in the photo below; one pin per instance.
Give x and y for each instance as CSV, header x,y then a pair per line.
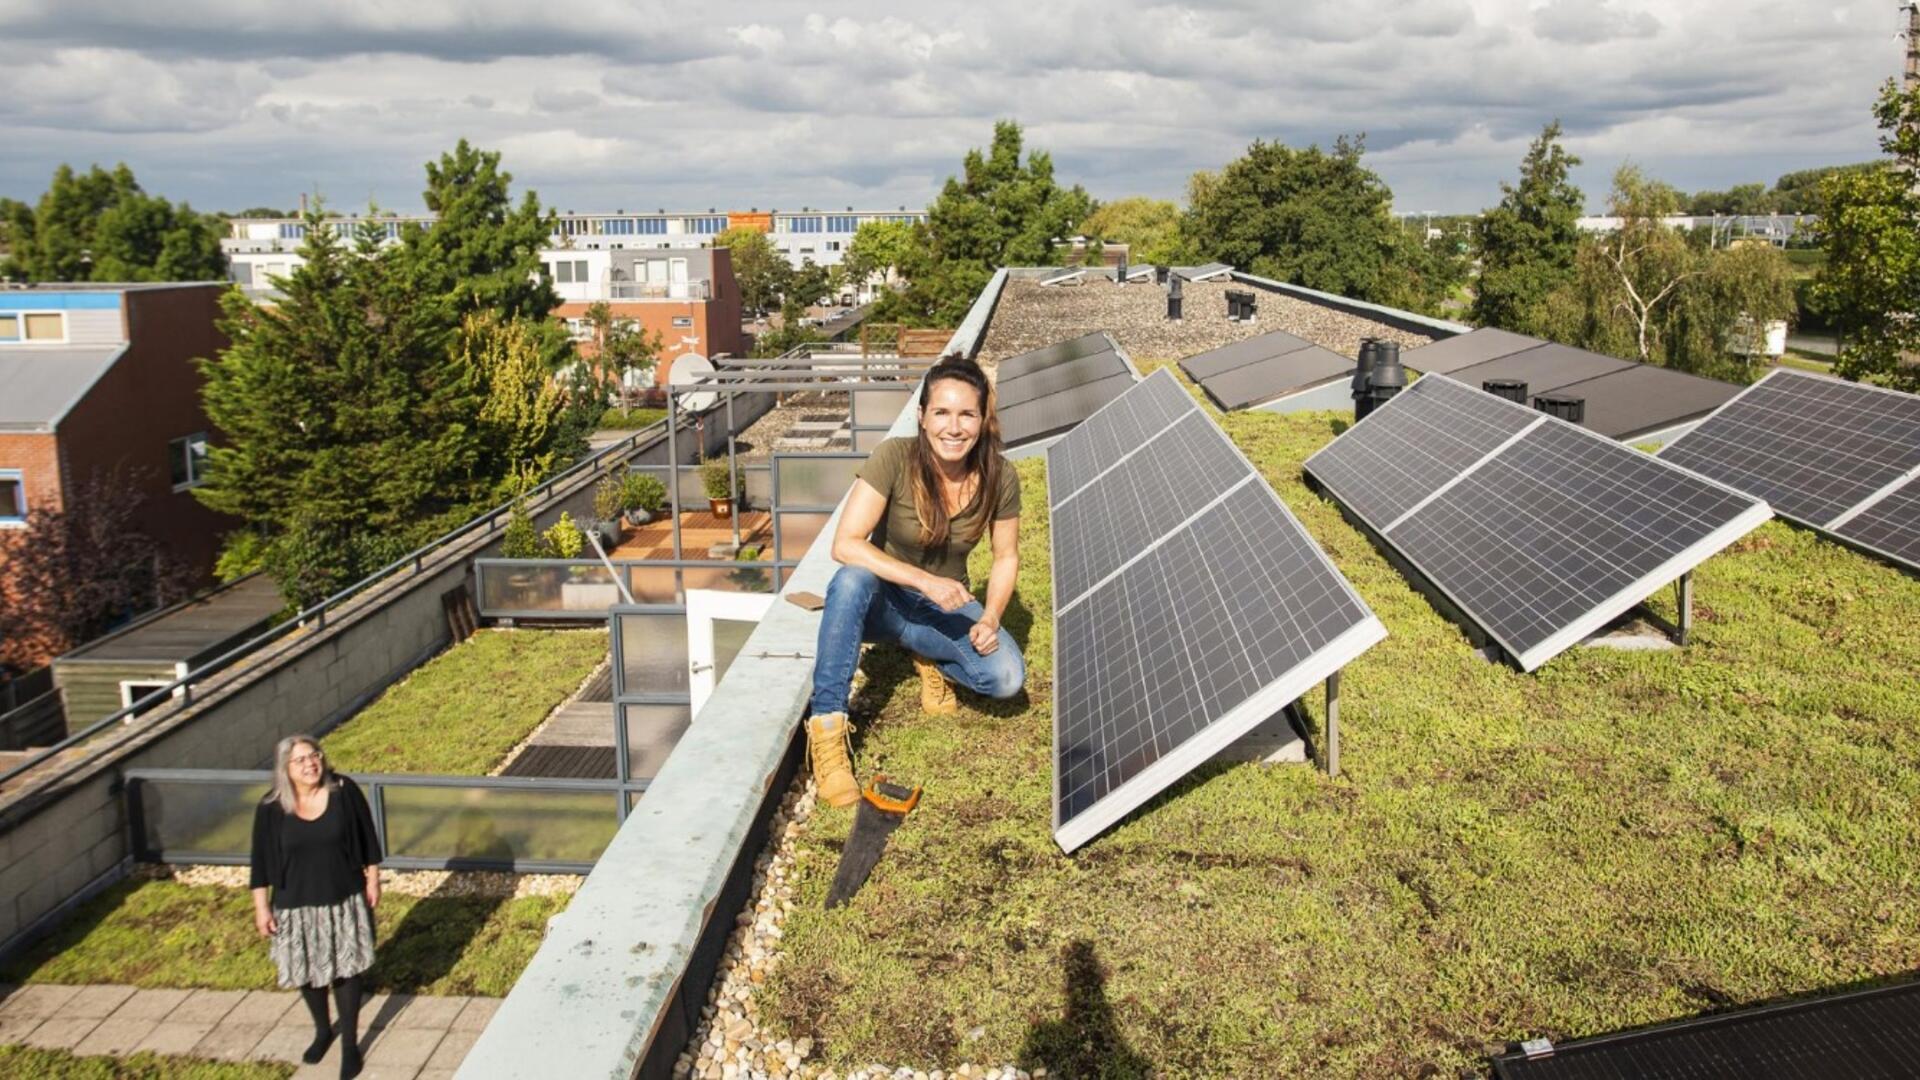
x,y
524,825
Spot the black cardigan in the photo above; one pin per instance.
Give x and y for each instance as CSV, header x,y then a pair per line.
x,y
270,860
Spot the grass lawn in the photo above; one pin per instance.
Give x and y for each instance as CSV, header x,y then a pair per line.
x,y
460,713
631,419
1806,361
1617,839
165,934
25,1061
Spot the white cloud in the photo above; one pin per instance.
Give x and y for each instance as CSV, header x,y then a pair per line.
x,y
618,104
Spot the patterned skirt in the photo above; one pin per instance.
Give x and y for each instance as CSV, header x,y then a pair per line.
x,y
316,945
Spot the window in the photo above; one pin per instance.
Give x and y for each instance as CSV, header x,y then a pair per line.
x,y
19,326
833,245
292,230
653,226
570,271
13,498
802,224
187,461
843,223
681,322
707,225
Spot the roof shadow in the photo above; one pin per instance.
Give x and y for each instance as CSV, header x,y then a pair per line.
x,y
1084,1041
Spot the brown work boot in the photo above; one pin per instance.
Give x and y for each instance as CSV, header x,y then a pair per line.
x,y
936,693
830,748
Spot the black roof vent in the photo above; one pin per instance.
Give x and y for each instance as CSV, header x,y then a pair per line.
x,y
1571,409
1387,377
1160,275
1240,306
1363,376
1120,271
1174,301
1514,390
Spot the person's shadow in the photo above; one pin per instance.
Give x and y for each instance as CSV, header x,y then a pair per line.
x,y
1084,1042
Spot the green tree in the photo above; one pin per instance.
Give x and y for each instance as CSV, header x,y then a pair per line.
x,y
1000,211
522,407
759,268
878,250
101,226
1870,228
483,252
1149,227
349,428
1311,217
621,345
1528,243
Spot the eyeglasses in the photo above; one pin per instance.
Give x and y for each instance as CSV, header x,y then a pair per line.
x,y
302,759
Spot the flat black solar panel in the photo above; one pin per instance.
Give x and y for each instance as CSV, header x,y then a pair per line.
x,y
1537,530
1277,376
1544,368
1014,367
1241,353
1867,1035
1194,644
1187,466
1448,355
1056,413
1189,605
1890,526
1106,436
1555,527
1814,447
1051,380
1644,398
1407,454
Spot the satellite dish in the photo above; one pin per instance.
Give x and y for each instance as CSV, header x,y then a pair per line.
x,y
691,369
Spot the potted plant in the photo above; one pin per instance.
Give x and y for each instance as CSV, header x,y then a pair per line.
x,y
749,578
643,496
720,486
579,592
608,498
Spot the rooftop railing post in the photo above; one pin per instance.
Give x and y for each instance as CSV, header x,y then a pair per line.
x,y
377,802
1333,725
733,475
673,465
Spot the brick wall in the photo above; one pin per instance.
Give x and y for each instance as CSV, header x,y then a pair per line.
x,y
37,456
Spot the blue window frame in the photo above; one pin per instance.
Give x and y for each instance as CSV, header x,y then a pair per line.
x,y
652,226
707,225
292,230
13,497
617,226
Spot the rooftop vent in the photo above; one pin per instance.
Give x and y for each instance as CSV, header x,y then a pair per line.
x,y
1386,378
1571,409
1240,306
1174,301
1363,376
1160,275
1120,274
1514,390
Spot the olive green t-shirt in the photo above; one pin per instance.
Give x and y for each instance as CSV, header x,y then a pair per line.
x,y
899,531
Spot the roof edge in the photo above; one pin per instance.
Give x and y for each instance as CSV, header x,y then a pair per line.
x,y
1396,317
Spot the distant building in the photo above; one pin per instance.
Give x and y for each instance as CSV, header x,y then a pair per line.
x,y
259,249
100,379
687,296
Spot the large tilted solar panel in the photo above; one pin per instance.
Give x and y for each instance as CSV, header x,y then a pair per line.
x,y
1206,365
1189,605
1014,367
1277,376
1864,1035
1047,391
1537,530
1448,355
1051,380
1837,456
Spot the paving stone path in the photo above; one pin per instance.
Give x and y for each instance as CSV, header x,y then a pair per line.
x,y
404,1037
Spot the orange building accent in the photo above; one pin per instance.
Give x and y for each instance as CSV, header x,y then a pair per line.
x,y
751,219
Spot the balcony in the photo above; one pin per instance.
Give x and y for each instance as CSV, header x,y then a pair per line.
x,y
697,289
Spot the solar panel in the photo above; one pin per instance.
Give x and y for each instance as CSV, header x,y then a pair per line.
x,y
1058,377
1537,530
1544,367
1869,1034
1240,353
1644,399
1015,367
1448,355
1172,642
1276,376
1837,456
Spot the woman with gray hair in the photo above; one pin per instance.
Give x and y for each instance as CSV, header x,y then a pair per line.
x,y
315,847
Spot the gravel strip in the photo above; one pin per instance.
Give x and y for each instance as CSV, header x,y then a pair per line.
x,y
1031,316
402,882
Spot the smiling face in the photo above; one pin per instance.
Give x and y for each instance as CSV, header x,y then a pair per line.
x,y
305,766
951,419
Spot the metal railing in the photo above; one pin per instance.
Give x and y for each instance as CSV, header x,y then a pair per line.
x,y
581,589
523,825
699,289
180,691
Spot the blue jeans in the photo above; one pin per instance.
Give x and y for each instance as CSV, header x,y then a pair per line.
x,y
861,607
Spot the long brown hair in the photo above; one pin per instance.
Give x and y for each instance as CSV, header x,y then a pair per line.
x,y
983,461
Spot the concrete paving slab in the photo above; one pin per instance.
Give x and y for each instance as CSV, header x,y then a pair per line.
x,y
60,1034
114,1037
435,1074
173,1038
95,1002
452,1050
264,1007
330,1070
231,1042
39,1001
404,1046
475,1016
431,1012
206,1006
15,1029
285,1043
152,1005
381,1010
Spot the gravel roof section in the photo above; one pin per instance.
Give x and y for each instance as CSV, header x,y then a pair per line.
x,y
1031,315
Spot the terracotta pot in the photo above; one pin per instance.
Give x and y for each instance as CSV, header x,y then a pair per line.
x,y
722,508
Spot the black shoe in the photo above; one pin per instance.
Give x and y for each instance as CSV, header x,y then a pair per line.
x,y
349,1062
321,1044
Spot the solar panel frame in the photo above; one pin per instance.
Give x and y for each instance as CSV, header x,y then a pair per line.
x,y
1114,430
1210,738
1276,377
1528,656
1888,526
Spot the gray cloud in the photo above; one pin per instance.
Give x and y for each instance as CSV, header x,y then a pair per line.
x,y
623,104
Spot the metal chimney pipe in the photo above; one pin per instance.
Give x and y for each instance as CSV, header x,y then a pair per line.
x,y
1120,277
1514,390
1388,377
1363,377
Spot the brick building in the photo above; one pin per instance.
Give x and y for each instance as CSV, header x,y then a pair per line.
x,y
97,380
688,296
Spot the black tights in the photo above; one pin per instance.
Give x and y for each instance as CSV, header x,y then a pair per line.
x,y
346,996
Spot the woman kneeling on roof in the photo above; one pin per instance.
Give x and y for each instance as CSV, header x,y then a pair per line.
x,y
919,506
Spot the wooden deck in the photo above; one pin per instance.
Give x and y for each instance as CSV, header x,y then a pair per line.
x,y
699,530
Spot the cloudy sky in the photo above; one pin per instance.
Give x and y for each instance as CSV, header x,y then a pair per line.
x,y
602,105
